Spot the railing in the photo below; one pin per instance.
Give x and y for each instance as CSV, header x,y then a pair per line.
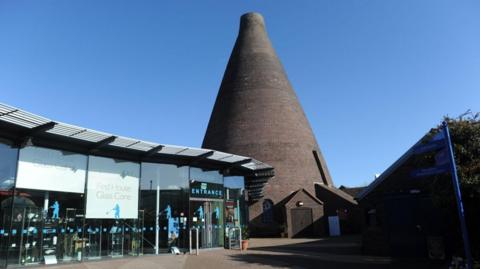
x,y
196,240
235,238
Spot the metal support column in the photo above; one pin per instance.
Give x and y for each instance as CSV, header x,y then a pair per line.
x,y
196,241
157,222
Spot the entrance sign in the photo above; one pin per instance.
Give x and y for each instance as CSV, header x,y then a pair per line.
x,y
51,170
206,190
112,189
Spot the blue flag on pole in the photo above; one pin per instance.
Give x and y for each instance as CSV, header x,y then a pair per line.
x,y
458,196
441,145
442,162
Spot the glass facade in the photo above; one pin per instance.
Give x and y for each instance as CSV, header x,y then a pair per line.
x,y
37,227
198,174
59,206
235,206
113,223
207,206
164,193
8,169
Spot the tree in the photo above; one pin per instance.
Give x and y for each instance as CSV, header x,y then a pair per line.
x,y
465,135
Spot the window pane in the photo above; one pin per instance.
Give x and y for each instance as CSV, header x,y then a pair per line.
x,y
267,215
173,206
234,201
8,166
206,176
112,188
173,183
52,170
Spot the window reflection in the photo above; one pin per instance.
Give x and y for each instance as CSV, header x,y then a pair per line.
x,y
50,220
234,202
51,170
172,184
8,166
206,176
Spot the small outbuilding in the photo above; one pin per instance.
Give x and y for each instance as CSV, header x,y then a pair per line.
x,y
304,214
338,203
401,216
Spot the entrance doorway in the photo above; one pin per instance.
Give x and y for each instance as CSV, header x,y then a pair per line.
x,y
74,243
302,222
207,217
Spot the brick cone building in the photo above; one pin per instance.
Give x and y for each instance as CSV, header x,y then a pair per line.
x,y
257,113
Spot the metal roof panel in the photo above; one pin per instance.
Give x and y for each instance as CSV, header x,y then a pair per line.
x,y
28,120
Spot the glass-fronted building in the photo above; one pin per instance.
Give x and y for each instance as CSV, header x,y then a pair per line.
x,y
70,194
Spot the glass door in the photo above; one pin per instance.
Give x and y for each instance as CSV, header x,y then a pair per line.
x,y
216,223
207,217
197,213
93,238
133,245
73,244
115,238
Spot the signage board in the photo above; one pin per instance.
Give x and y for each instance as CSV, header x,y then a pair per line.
x,y
112,189
51,170
200,189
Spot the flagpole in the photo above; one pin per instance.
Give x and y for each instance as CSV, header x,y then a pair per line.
x,y
458,196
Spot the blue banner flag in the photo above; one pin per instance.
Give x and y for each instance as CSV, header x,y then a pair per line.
x,y
430,171
442,162
429,147
435,143
441,145
442,158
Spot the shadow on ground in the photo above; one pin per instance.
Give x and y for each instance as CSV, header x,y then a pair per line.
x,y
350,245
338,253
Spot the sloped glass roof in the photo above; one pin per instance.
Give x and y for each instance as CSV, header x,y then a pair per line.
x,y
28,120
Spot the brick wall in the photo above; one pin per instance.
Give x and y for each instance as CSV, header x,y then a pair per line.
x,y
257,114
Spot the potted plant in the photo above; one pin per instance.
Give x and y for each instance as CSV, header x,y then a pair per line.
x,y
245,237
284,232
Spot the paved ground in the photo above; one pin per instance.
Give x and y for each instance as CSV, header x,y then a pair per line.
x,y
338,253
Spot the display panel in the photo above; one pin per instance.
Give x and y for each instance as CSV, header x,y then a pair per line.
x,y
112,189
51,170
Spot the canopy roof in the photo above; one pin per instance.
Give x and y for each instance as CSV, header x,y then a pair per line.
x,y
21,126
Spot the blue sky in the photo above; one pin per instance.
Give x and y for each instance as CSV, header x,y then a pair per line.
x,y
372,76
